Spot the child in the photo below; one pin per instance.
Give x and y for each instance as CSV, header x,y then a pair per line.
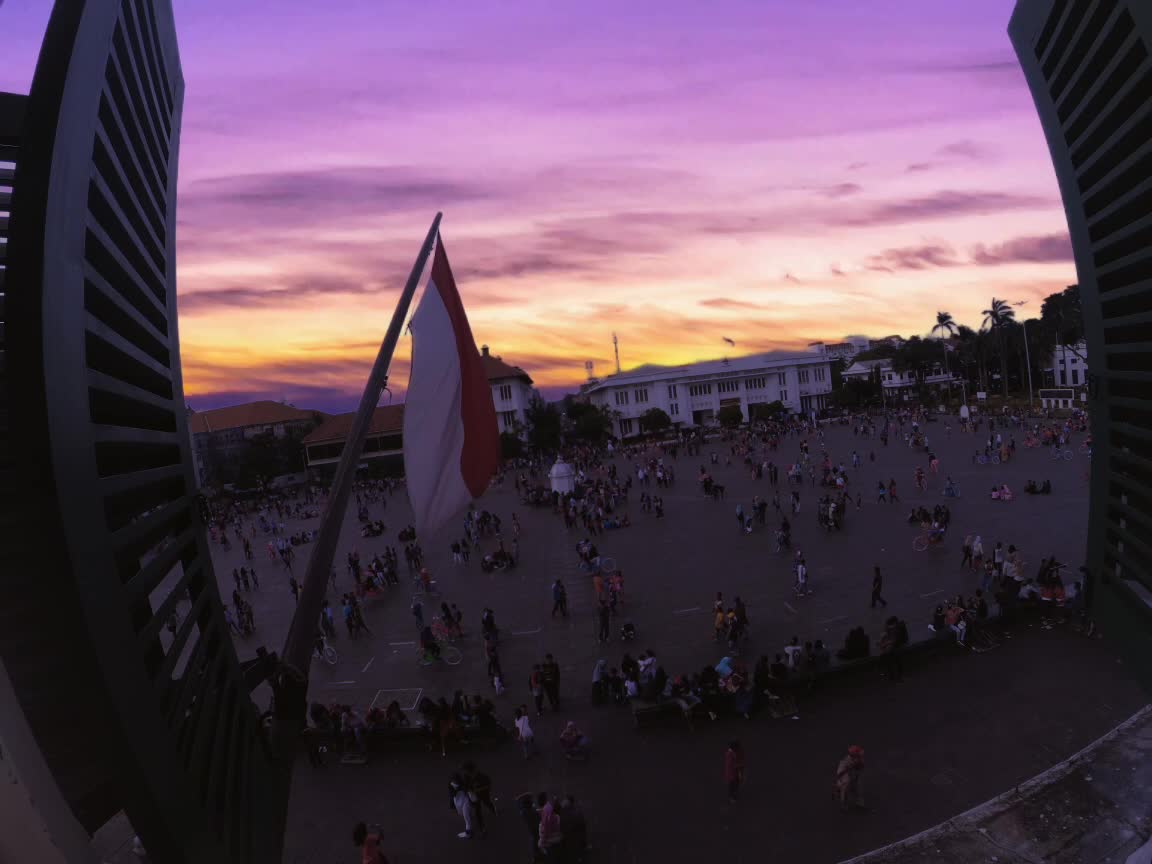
x,y
524,732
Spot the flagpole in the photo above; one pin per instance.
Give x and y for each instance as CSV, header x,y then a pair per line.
x,y
292,678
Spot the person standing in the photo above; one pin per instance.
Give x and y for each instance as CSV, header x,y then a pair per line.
x,y
849,773
604,614
559,598
733,769
536,688
550,678
524,732
877,587
295,586
966,560
418,612
368,842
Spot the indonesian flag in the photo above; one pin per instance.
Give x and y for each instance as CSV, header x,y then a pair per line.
x,y
451,442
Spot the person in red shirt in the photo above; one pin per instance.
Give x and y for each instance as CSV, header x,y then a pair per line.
x,y
733,769
369,844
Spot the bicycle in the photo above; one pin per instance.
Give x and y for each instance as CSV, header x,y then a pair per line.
x,y
1058,454
994,459
324,651
982,639
449,654
921,542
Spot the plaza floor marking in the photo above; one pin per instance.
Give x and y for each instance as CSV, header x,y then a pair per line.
x,y
526,632
419,691
933,593
685,611
788,606
342,683
366,665
401,643
834,620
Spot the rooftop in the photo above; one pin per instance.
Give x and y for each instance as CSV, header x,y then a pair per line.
x,y
495,367
704,368
262,413
385,419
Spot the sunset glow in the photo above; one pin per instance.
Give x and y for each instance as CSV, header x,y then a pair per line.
x,y
772,172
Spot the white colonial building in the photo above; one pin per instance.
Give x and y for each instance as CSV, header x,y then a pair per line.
x,y
892,380
1069,365
512,390
692,395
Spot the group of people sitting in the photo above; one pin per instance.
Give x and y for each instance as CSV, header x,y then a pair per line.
x,y
958,614
1001,493
1043,488
374,528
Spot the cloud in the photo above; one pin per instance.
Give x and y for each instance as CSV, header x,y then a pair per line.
x,y
836,271
790,277
939,205
918,167
726,303
966,149
300,290
913,258
842,190
1050,248
857,166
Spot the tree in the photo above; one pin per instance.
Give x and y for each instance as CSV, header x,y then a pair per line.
x,y
945,327
588,423
511,447
1062,316
766,410
996,318
730,416
654,420
544,425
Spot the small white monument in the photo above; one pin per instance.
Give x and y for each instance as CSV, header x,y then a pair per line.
x,y
562,477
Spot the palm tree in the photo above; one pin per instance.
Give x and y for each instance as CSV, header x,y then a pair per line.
x,y
995,318
945,327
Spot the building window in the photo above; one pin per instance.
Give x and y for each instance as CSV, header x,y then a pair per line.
x,y
642,396
625,427
671,391
509,418
754,384
818,374
621,397
728,386
782,378
803,375
1075,377
699,389
783,395
673,408
506,392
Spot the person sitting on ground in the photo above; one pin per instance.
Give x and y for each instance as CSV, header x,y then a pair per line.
x,y
779,669
631,687
573,740
1030,488
428,643
938,624
1046,487
956,620
615,685
1005,492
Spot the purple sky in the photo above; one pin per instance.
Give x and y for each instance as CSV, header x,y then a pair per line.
x,y
773,172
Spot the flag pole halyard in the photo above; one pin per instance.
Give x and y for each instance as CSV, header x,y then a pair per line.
x,y
292,683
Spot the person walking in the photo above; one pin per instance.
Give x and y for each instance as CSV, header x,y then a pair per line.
x,y
849,773
877,587
733,769
295,586
559,598
604,616
966,560
459,801
368,842
479,786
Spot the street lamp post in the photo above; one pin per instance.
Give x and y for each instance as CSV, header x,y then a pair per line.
x,y
1027,356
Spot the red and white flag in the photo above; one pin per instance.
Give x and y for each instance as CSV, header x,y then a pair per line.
x,y
451,441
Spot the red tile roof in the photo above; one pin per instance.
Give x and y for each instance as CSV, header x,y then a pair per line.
x,y
263,413
496,368
386,418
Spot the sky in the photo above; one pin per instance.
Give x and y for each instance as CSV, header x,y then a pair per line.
x,y
774,172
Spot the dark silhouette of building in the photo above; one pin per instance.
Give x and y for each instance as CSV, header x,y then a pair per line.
x,y
100,537
1089,67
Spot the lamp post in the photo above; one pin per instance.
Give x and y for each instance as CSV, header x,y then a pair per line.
x,y
1027,356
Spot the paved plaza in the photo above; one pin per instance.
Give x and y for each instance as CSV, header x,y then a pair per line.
x,y
673,568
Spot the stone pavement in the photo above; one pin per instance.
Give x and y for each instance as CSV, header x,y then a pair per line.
x,y
1094,808
960,729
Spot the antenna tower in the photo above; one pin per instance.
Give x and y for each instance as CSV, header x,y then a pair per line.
x,y
616,350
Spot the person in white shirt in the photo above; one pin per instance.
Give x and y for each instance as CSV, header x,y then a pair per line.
x,y
524,732
793,652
